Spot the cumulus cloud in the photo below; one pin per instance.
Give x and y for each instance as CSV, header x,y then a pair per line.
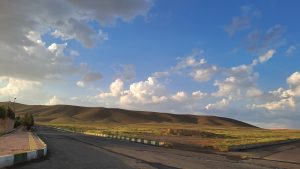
x,y
180,96
192,60
218,105
54,101
283,99
203,74
282,104
143,91
14,86
24,90
253,92
26,22
199,94
294,79
196,67
115,89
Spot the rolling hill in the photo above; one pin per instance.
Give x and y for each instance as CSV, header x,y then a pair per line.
x,y
69,113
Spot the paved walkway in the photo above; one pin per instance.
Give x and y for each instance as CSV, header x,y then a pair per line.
x,y
18,142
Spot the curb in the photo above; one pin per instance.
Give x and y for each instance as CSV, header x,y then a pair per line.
x,y
12,159
125,138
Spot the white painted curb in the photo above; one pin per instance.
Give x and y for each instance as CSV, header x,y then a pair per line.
x,y
12,159
6,160
131,139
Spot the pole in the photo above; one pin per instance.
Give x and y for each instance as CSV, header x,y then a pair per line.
x,y
14,105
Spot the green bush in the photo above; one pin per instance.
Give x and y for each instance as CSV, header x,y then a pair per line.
x,y
28,120
2,112
10,113
18,121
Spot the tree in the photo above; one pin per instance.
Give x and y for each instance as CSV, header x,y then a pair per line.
x,y
28,120
18,121
10,113
2,112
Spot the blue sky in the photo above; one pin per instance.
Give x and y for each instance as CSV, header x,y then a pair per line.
x,y
234,58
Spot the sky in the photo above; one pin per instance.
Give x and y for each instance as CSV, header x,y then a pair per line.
x,y
237,59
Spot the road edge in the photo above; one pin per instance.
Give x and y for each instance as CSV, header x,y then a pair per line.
x,y
119,137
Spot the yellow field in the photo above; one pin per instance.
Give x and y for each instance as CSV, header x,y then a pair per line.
x,y
186,135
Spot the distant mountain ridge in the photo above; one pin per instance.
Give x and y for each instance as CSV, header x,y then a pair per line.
x,y
69,113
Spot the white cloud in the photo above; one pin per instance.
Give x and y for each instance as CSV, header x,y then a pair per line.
x,y
199,95
253,92
294,79
143,91
26,91
180,96
196,67
57,49
268,55
218,105
115,90
26,23
14,86
149,91
283,104
283,99
203,74
236,86
116,87
159,99
80,83
161,74
54,101
192,60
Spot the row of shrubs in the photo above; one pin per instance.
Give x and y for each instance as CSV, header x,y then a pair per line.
x,y
7,112
26,120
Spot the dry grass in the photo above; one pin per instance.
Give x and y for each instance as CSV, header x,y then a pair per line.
x,y
186,134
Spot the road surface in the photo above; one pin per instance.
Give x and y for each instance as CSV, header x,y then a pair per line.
x,y
77,151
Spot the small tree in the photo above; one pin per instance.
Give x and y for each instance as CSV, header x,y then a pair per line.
x,y
2,112
28,120
18,122
10,113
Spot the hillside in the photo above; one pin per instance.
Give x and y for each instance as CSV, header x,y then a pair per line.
x,y
68,113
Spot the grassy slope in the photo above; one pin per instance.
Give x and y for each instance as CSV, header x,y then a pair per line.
x,y
77,114
199,131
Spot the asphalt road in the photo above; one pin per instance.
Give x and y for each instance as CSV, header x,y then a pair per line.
x,y
76,151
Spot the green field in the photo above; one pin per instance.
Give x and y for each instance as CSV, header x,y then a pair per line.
x,y
182,135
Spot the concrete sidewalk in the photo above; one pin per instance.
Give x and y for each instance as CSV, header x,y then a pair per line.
x,y
18,142
20,146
